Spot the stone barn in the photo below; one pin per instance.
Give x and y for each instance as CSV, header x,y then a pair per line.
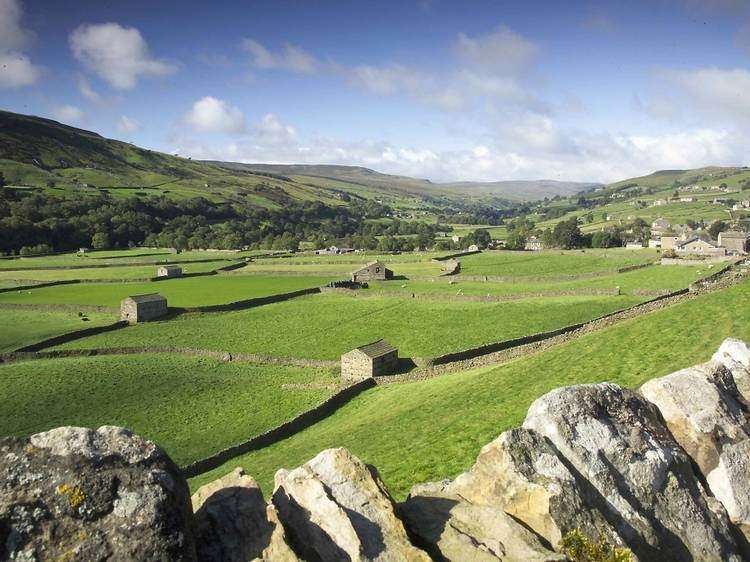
x,y
372,271
143,307
734,241
371,360
169,271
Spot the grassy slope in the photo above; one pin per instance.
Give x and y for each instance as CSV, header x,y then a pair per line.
x,y
193,407
325,326
188,292
434,429
23,327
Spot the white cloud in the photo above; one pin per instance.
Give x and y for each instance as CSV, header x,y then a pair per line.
x,y
126,125
290,58
212,114
713,92
119,55
13,37
502,52
17,70
68,114
271,131
87,91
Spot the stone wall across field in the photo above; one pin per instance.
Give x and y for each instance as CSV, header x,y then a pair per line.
x,y
651,474
70,336
453,297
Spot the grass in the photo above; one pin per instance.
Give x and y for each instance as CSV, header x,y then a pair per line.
x,y
195,291
325,326
122,272
19,328
433,429
657,277
191,406
552,262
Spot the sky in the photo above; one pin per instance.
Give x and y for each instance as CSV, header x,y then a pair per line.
x,y
481,90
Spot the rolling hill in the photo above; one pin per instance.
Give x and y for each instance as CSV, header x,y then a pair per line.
x,y
38,153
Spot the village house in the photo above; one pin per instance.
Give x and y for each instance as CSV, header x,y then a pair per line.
x,y
534,244
473,248
169,271
334,250
734,241
143,307
654,243
669,241
634,245
698,246
456,238
372,271
372,360
688,199
660,202
660,225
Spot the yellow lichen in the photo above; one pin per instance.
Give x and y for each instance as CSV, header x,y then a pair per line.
x,y
75,495
577,547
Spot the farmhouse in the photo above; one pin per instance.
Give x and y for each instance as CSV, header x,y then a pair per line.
x,y
534,244
371,360
143,307
654,243
734,241
695,245
669,241
456,238
371,271
169,271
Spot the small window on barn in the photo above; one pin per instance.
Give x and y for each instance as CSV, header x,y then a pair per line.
x,y
377,270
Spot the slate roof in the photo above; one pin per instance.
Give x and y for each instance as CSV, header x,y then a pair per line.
x,y
150,297
171,267
366,266
377,349
734,235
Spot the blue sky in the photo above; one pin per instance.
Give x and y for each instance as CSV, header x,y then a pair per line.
x,y
472,90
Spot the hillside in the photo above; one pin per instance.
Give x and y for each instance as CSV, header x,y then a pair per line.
x,y
38,153
356,175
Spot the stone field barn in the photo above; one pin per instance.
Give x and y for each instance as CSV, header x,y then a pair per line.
x,y
372,271
371,360
169,271
143,307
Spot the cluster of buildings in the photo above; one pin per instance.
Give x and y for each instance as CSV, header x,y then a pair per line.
x,y
684,240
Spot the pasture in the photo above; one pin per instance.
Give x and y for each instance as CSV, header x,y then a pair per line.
x,y
325,326
189,292
19,327
433,429
192,407
119,272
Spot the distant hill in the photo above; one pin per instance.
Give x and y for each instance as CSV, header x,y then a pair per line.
x,y
512,190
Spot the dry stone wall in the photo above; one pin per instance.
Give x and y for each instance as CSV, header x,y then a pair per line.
x,y
661,471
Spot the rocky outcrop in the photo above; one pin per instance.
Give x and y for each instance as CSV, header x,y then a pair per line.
x,y
337,508
662,471
83,494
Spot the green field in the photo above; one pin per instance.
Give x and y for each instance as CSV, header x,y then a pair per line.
x,y
195,291
153,256
121,272
23,327
433,429
552,262
656,277
325,326
193,407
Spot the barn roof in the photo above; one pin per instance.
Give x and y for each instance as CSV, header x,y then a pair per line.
x,y
150,297
734,234
376,349
368,264
171,267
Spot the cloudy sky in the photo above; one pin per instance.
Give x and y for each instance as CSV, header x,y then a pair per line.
x,y
447,90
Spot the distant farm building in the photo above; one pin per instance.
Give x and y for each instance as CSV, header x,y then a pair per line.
x,y
734,241
534,244
83,250
698,246
634,245
660,225
333,250
456,238
372,360
654,243
372,271
139,308
169,271
473,248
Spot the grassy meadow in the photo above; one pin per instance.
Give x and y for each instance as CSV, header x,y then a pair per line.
x,y
19,328
123,272
433,429
189,292
327,325
191,406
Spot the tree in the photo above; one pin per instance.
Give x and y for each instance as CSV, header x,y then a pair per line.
x,y
481,237
517,239
717,227
100,241
566,234
606,239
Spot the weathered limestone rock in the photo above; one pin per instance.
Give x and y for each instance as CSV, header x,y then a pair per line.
x,y
522,474
615,439
735,356
336,508
234,524
453,529
84,494
705,413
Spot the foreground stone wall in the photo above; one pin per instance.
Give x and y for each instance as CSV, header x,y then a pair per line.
x,y
662,471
